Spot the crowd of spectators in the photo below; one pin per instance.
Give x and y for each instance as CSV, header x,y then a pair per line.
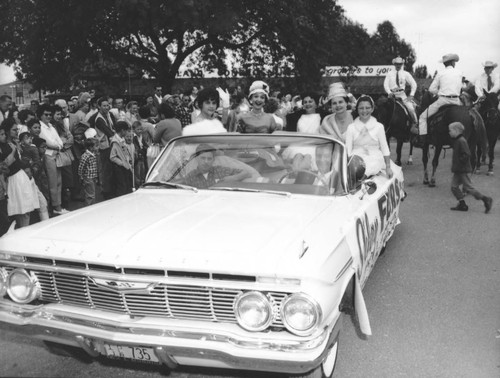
x,y
90,147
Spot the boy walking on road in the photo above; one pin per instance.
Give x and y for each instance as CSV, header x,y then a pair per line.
x,y
461,169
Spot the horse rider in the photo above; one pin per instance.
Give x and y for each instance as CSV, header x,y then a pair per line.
x,y
487,81
395,83
447,86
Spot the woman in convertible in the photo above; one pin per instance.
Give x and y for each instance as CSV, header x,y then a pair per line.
x,y
336,124
256,120
208,101
365,137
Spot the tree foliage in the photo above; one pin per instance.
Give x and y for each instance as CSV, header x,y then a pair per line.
x,y
386,44
421,72
55,43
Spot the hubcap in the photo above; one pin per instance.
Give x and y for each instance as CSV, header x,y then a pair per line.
x,y
329,363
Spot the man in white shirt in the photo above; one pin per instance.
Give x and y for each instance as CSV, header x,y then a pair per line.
x,y
447,85
119,109
54,145
395,83
65,117
5,107
488,81
158,97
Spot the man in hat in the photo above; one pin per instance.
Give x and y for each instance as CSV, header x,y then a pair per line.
x,y
447,86
488,81
395,83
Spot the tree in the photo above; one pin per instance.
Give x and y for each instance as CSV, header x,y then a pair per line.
x,y
421,72
52,42
385,44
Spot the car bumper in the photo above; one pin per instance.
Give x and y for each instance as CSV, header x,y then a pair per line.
x,y
174,342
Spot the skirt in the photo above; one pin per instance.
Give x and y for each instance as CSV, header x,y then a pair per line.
x,y
22,194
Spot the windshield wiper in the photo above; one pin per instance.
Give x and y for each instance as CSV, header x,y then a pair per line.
x,y
169,185
230,189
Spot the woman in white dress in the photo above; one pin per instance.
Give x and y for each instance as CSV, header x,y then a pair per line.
x,y
366,138
336,123
21,190
308,119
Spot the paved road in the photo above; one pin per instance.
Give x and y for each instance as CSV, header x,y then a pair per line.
x,y
433,300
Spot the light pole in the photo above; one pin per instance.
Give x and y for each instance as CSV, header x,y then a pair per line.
x,y
13,88
129,86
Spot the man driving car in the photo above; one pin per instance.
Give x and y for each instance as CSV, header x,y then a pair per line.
x,y
207,174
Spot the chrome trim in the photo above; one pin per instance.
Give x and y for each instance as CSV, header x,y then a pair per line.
x,y
344,269
124,286
222,346
162,354
315,306
266,302
3,281
34,287
211,300
87,345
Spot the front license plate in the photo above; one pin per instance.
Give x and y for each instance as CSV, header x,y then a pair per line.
x,y
135,353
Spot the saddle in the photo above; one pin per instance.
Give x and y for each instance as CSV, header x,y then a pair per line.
x,y
402,106
436,121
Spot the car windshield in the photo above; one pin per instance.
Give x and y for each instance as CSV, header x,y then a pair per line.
x,y
281,164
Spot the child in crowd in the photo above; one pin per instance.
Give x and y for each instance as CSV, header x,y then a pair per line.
x,y
140,157
34,127
40,176
87,170
461,168
30,155
129,142
121,159
29,152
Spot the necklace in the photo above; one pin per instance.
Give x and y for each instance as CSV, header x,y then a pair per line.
x,y
257,114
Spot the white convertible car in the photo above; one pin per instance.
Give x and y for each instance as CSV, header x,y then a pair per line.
x,y
240,251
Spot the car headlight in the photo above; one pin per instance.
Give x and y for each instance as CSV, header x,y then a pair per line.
x,y
253,311
21,286
300,314
3,282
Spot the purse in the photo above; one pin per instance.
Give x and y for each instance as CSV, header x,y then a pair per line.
x,y
64,158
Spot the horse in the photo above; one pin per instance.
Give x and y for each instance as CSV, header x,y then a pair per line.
x,y
488,108
396,120
438,134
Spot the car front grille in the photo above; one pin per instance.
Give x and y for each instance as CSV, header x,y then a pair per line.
x,y
198,302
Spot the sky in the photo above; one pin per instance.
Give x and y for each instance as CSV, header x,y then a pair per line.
x,y
469,28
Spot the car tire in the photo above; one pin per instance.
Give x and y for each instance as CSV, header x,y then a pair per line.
x,y
326,368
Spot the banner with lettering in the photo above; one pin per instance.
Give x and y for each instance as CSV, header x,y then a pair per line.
x,y
339,71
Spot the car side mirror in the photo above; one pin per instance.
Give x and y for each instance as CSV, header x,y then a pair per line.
x,y
371,187
356,168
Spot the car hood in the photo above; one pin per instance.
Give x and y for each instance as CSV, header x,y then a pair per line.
x,y
208,231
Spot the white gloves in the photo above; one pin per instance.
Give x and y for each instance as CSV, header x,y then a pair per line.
x,y
224,97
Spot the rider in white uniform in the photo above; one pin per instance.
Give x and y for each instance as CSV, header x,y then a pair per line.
x,y
487,81
395,83
447,85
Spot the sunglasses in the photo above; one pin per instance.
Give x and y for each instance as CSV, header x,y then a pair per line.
x,y
47,114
